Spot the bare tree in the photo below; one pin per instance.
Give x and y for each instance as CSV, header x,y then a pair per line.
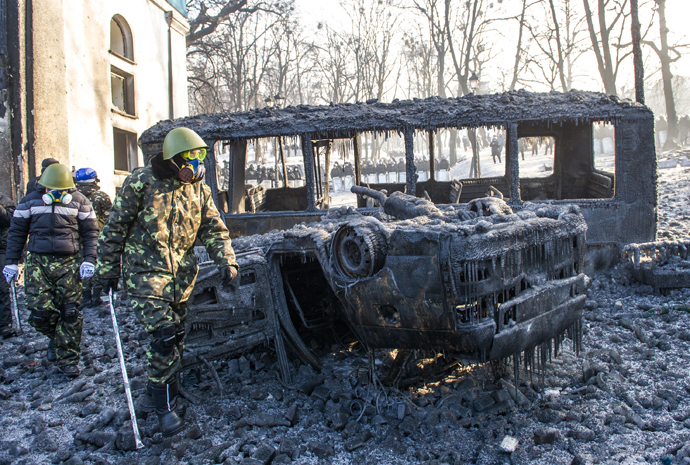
x,y
612,17
333,62
420,63
292,63
637,51
517,68
233,61
666,60
210,14
433,10
557,40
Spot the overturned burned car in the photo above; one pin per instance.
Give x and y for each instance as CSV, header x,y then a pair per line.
x,y
483,268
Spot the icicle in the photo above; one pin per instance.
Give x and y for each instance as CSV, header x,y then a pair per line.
x,y
516,370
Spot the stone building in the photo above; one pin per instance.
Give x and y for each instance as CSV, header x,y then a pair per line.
x,y
80,80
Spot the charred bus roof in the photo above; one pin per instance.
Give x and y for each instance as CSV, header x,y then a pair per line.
x,y
348,119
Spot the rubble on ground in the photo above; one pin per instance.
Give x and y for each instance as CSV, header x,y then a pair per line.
x,y
625,399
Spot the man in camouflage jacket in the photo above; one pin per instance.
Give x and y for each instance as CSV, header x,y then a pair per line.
x,y
87,184
154,222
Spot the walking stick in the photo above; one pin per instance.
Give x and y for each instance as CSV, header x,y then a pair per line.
x,y
120,355
16,323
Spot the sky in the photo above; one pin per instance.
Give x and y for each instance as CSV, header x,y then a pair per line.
x,y
677,13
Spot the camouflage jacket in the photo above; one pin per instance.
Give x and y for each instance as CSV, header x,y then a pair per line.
x,y
153,225
100,201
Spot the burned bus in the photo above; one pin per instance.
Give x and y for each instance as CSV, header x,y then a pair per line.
x,y
453,225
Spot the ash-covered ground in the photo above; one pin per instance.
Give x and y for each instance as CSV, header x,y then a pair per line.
x,y
624,399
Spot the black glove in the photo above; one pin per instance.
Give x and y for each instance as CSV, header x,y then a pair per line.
x,y
227,274
110,284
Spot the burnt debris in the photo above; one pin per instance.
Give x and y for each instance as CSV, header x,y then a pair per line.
x,y
347,119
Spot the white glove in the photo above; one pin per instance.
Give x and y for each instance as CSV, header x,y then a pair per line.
x,y
10,272
86,270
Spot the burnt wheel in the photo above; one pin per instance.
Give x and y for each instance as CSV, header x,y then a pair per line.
x,y
359,251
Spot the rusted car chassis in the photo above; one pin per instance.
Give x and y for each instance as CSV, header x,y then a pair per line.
x,y
480,268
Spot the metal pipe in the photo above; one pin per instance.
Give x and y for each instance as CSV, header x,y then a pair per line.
x,y
16,322
123,369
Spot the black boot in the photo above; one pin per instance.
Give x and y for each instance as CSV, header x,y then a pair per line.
x,y
85,299
96,296
165,398
71,371
51,356
146,403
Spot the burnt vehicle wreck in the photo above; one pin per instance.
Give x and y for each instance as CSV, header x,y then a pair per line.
x,y
483,268
663,265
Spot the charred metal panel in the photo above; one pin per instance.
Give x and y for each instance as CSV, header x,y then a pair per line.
x,y
238,157
261,223
224,320
465,341
664,265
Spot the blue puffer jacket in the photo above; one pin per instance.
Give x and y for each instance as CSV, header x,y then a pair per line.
x,y
56,229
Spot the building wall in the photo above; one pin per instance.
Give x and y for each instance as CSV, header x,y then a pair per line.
x,y
73,112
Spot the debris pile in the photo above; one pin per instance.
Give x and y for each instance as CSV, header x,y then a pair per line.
x,y
626,399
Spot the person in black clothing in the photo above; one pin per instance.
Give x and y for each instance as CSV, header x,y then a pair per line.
x,y
381,171
495,150
59,223
31,185
6,212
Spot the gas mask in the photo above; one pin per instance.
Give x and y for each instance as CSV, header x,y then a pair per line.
x,y
54,195
192,161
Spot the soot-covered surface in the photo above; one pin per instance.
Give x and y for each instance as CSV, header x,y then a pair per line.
x,y
624,400
346,119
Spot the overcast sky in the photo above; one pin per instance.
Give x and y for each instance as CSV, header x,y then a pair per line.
x,y
677,14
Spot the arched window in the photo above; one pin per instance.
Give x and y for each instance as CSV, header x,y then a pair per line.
x,y
121,38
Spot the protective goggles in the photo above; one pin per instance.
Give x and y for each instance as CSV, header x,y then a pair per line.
x,y
196,154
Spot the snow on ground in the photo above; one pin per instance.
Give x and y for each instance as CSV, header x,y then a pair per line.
x,y
624,400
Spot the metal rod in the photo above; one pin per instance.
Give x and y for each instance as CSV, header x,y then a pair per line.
x,y
16,323
120,355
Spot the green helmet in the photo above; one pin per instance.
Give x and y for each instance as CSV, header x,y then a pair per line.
x,y
179,140
57,177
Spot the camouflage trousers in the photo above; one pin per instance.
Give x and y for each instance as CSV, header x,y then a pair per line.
x,y
53,289
164,321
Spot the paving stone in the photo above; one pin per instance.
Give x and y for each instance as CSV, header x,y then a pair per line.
x,y
264,454
483,402
322,393
545,435
291,414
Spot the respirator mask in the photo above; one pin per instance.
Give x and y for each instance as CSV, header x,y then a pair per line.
x,y
192,161
54,195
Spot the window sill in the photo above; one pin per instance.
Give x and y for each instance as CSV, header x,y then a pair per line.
x,y
125,59
123,113
121,173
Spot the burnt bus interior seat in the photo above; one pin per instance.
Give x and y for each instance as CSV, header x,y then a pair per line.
x,y
599,185
456,191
